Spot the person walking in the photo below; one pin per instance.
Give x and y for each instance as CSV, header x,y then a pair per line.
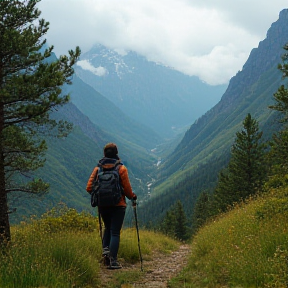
x,y
113,216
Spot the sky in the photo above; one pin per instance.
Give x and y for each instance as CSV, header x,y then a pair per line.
x,y
210,39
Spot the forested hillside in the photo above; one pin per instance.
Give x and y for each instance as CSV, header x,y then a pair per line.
x,y
195,163
69,163
208,141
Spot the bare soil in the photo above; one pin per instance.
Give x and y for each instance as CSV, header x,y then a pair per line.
x,y
157,271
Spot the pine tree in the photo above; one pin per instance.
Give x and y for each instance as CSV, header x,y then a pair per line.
x,y
246,170
281,96
181,229
174,223
169,222
201,211
30,89
278,155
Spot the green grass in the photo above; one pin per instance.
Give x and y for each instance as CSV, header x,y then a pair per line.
x,y
247,247
63,249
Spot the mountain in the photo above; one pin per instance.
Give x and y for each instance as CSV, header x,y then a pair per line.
x,y
194,164
70,161
109,117
206,145
250,91
159,97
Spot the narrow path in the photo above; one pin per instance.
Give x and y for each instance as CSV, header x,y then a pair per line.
x,y
163,268
157,271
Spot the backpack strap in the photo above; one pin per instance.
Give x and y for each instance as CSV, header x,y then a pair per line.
x,y
116,167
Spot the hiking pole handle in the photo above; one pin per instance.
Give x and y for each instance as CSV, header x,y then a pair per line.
x,y
134,203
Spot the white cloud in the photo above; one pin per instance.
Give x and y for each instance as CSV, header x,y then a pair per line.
x,y
210,39
86,65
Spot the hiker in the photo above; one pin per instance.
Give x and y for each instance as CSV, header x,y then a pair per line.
x,y
113,216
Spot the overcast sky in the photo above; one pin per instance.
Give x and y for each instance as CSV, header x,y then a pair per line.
x,y
211,39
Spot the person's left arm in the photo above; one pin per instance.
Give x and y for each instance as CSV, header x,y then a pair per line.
x,y
123,173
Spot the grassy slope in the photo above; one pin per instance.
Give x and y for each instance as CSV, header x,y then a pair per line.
x,y
63,250
247,247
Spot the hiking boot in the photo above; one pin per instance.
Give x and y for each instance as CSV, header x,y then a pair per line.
x,y
105,252
114,264
106,260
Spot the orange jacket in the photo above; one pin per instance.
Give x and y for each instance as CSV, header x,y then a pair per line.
x,y
123,173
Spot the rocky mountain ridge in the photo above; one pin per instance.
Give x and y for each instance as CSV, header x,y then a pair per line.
x,y
195,163
164,99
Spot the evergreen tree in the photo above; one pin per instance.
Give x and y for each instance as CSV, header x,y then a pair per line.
x,y
30,89
181,229
281,96
174,223
201,211
246,171
169,222
278,155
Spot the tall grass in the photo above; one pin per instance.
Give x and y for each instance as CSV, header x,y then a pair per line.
x,y
63,249
57,251
247,247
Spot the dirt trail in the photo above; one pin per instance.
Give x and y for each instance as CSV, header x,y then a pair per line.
x,y
157,271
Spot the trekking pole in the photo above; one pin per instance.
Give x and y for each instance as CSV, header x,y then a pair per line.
x,y
100,226
134,204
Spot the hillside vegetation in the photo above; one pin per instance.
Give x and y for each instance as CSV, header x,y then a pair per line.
x,y
204,150
246,247
63,249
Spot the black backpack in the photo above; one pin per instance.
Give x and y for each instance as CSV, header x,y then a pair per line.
x,y
107,189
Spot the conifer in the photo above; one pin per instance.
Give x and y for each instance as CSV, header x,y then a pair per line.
x,y
246,171
201,211
30,89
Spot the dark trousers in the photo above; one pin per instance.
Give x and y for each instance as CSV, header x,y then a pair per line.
x,y
113,218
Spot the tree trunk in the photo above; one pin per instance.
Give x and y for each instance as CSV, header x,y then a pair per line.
x,y
4,218
5,235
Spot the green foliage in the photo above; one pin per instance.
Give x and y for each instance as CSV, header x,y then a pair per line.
x,y
278,155
56,251
62,218
174,223
281,96
185,186
247,169
201,212
281,99
31,87
208,141
63,249
246,247
169,223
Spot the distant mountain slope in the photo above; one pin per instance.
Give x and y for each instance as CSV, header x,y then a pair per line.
x,y
70,162
105,114
209,139
250,91
157,96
